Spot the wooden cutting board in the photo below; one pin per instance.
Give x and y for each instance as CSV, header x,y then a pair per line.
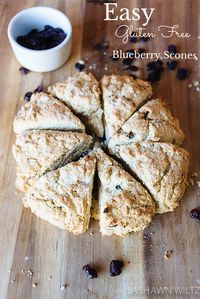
x,y
31,250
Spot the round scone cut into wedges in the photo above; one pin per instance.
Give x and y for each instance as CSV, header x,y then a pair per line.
x,y
39,151
45,112
125,206
121,97
162,167
81,93
154,122
63,197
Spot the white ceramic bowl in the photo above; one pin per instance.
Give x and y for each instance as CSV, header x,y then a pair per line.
x,y
38,17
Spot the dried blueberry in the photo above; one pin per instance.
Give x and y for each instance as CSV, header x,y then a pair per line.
x,y
118,187
115,267
44,39
172,49
141,50
153,77
105,210
38,89
172,64
23,70
79,66
127,61
90,271
144,39
27,96
181,73
133,68
195,213
133,38
131,135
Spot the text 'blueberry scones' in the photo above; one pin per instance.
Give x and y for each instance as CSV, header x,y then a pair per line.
x,y
66,176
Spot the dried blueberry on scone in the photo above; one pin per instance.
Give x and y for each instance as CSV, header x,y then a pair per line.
x,y
121,96
162,167
45,112
154,122
39,151
63,197
125,206
81,93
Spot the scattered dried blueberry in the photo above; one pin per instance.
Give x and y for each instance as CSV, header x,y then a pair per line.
x,y
133,38
141,50
90,271
181,73
105,210
144,39
39,89
79,66
195,213
118,187
23,70
172,49
133,68
27,96
115,267
44,39
172,64
131,135
153,77
127,61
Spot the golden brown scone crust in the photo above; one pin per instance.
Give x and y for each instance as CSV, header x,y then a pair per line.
x,y
81,93
125,206
45,112
37,152
162,167
63,197
152,122
121,96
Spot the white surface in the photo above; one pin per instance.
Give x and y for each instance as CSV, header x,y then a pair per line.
x,y
38,17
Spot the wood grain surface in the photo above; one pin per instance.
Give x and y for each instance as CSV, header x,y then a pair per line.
x,y
33,251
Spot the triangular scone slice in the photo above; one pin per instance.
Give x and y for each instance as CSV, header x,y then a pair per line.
x,y
121,97
82,94
63,197
162,168
125,206
154,122
45,112
37,152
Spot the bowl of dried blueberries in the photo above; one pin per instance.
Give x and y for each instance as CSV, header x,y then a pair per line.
x,y
41,38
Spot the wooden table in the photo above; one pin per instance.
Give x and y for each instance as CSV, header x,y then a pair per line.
x,y
31,250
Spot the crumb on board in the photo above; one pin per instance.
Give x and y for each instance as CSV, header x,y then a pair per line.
x,y
168,254
63,287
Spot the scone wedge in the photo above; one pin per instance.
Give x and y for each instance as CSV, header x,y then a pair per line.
x,y
39,151
121,97
63,196
125,206
81,93
162,168
45,112
152,122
